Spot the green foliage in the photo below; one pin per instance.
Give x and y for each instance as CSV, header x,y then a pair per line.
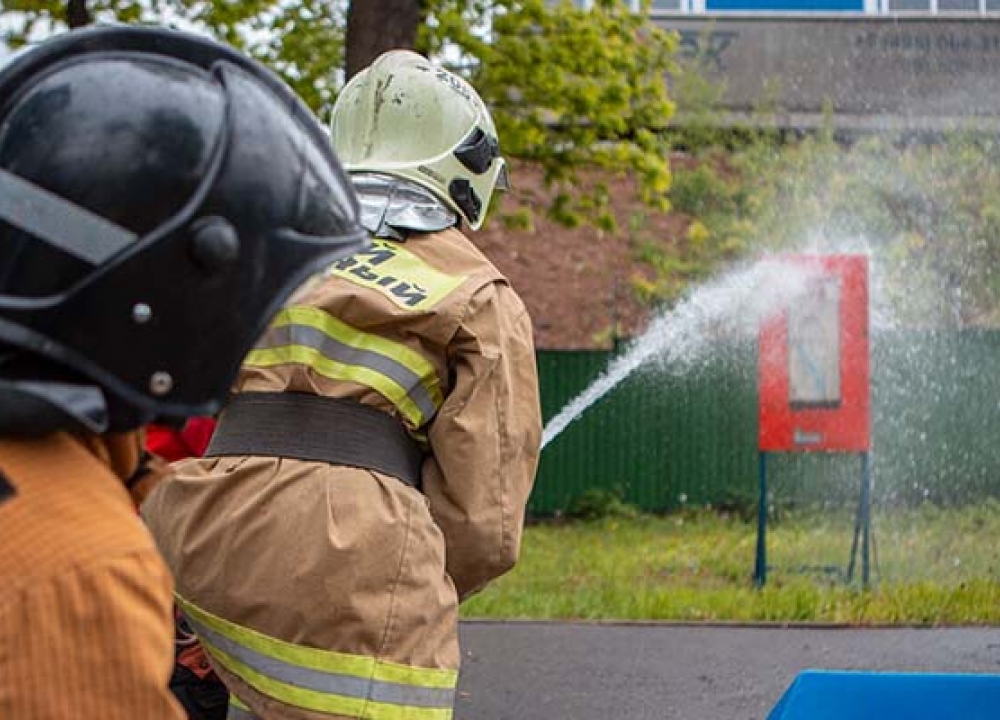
x,y
597,503
740,501
711,202
927,212
520,220
302,41
570,89
932,568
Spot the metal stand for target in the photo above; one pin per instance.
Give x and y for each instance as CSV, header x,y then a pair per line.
x,y
862,527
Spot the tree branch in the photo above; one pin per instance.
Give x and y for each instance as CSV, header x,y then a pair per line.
x,y
78,14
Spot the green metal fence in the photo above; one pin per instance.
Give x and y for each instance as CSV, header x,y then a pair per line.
x,y
688,436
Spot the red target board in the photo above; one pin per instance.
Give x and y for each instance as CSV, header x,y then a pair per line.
x,y
814,367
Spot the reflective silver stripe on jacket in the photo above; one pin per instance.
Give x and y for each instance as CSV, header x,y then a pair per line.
x,y
327,682
331,348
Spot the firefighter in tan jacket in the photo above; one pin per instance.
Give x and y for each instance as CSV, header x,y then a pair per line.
x,y
374,466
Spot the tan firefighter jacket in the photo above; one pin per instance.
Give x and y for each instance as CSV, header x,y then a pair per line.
x,y
324,590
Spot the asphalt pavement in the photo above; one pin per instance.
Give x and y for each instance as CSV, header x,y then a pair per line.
x,y
584,671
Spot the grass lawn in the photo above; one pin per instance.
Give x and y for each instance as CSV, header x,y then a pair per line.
x,y
930,567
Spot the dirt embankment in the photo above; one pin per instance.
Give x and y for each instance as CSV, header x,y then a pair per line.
x,y
576,282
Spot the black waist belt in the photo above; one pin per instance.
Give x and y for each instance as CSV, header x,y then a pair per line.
x,y
310,427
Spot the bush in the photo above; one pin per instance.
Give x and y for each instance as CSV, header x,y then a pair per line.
x,y
598,503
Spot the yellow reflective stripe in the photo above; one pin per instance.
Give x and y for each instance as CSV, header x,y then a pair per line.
x,y
398,274
318,681
336,351
338,371
328,660
238,711
339,330
357,665
406,675
325,702
402,375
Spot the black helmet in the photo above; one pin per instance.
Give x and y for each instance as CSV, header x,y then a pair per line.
x,y
160,196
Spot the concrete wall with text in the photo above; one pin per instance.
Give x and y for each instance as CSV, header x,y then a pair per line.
x,y
872,72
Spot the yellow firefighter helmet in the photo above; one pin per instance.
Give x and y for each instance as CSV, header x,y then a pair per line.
x,y
404,117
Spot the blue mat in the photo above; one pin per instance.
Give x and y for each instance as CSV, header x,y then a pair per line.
x,y
824,695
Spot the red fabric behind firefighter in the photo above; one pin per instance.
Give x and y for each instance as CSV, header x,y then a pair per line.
x,y
174,444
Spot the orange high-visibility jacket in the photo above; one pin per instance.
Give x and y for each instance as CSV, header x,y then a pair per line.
x,y
330,591
86,629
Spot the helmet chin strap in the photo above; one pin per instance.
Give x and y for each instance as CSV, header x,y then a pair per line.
x,y
30,408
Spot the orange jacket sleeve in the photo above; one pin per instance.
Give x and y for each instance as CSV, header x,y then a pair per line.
x,y
86,625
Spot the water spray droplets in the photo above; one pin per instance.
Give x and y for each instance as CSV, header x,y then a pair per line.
x,y
728,308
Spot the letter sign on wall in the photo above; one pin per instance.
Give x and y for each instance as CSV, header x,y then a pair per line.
x,y
814,367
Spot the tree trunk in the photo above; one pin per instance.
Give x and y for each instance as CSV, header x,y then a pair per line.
x,y
77,13
374,26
